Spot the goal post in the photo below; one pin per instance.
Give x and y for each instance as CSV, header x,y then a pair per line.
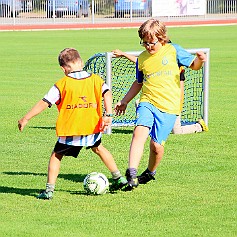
x,y
119,73
204,82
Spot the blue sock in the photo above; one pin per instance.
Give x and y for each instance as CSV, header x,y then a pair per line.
x,y
153,173
132,172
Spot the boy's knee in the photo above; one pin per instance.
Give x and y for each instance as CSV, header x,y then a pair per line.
x,y
156,147
97,149
94,149
57,156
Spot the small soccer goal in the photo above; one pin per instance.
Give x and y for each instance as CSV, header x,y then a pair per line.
x,y
120,73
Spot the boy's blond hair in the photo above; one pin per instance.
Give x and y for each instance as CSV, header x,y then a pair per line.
x,y
153,28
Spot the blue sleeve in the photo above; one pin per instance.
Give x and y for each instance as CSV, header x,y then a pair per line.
x,y
184,58
139,74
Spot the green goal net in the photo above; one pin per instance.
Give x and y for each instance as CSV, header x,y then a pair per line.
x,y
120,73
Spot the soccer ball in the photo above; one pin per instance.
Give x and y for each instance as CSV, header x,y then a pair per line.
x,y
96,183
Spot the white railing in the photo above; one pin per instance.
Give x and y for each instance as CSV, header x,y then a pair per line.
x,y
95,11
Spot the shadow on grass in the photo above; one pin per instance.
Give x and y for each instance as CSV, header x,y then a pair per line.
x,y
37,127
79,178
122,131
70,177
77,192
21,191
34,192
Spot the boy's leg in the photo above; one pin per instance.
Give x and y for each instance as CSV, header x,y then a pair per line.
x,y
163,124
144,122
177,129
54,167
53,171
185,129
106,157
118,180
139,138
156,155
192,128
140,135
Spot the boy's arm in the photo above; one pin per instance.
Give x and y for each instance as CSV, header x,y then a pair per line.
x,y
121,106
38,108
107,118
119,53
108,102
198,61
187,59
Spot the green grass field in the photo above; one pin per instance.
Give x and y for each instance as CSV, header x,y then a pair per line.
x,y
195,193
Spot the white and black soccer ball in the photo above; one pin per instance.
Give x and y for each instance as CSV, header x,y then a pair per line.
x,y
96,183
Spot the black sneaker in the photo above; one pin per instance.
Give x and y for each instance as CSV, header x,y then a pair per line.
x,y
132,181
145,177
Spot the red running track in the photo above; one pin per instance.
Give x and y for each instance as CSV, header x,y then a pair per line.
x,y
113,25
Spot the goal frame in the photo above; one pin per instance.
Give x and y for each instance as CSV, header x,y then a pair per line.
x,y
206,75
119,72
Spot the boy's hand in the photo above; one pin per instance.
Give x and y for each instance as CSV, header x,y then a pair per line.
x,y
106,122
120,107
22,123
117,53
201,56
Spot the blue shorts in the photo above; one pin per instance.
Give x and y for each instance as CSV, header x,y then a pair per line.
x,y
159,123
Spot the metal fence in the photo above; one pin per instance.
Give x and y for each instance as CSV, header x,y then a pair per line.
x,y
13,12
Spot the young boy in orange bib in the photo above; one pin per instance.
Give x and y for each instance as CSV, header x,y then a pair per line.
x,y
78,97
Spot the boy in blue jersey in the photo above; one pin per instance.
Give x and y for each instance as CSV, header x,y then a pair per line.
x,y
158,76
178,128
